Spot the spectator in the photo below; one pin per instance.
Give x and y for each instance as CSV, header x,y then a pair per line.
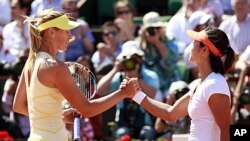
x,y
178,24
82,41
213,7
110,48
22,128
161,53
15,34
226,5
5,11
124,13
237,27
131,118
40,5
240,110
167,129
238,31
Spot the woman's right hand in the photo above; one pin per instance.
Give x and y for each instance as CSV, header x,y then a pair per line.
x,y
68,115
130,86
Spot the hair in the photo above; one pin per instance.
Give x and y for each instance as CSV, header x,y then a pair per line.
x,y
220,40
36,37
123,3
108,24
25,4
233,2
87,58
63,2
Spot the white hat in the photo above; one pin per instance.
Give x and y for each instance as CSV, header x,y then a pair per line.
x,y
130,48
177,85
153,19
198,18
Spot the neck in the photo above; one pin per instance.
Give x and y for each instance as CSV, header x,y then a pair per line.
x,y
48,49
204,70
241,18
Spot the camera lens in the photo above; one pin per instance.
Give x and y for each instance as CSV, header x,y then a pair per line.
x,y
245,98
129,64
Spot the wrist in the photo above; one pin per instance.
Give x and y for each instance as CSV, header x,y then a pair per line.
x,y
139,96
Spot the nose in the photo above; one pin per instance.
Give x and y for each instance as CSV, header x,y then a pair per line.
x,y
69,34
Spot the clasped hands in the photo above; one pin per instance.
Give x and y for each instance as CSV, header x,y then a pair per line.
x,y
130,86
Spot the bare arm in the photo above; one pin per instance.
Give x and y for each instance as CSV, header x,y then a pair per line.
x,y
103,85
156,42
150,91
236,96
20,104
89,46
220,107
165,111
62,79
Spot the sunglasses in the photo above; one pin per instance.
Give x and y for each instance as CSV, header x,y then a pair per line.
x,y
68,10
123,12
113,33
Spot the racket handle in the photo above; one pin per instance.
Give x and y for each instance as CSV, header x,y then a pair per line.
x,y
77,130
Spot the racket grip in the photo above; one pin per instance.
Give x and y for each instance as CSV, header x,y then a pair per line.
x,y
77,124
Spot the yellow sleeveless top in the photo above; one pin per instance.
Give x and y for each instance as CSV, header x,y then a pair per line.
x,y
45,108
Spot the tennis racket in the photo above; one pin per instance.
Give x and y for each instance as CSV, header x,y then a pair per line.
x,y
86,81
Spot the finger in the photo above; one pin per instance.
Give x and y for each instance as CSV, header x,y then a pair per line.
x,y
69,111
125,80
122,86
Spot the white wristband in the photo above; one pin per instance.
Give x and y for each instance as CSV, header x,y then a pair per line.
x,y
139,97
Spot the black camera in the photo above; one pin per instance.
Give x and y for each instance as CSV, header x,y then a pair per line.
x,y
151,31
180,92
129,64
245,96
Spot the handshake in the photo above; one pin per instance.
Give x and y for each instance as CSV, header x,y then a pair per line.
x,y
131,87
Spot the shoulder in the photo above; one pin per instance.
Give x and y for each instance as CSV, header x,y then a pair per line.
x,y
215,80
52,65
36,3
149,73
216,83
8,27
226,22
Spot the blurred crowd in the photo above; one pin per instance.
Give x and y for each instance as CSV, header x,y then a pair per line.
x,y
156,51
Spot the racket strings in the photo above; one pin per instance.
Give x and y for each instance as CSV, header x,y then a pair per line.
x,y
83,81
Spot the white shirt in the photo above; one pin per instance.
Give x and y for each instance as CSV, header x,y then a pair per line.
x,y
38,6
5,12
237,32
13,41
213,7
203,125
176,29
245,56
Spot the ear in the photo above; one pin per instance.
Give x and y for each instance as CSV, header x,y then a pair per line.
x,y
52,32
205,51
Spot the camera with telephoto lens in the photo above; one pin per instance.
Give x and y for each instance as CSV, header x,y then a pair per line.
x,y
180,92
151,31
129,64
245,95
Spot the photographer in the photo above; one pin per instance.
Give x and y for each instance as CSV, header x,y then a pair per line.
x,y
240,110
161,54
130,117
166,129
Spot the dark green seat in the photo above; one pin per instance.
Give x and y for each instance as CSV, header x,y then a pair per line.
x,y
174,6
